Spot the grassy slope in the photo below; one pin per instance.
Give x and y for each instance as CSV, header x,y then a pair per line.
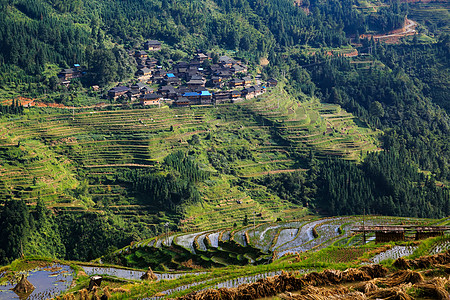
x,y
54,154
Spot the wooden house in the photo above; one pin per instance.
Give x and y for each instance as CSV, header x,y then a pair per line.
x,y
238,69
182,102
205,97
171,79
272,82
67,74
195,83
152,45
144,72
248,93
193,97
235,94
140,54
118,91
247,80
236,82
223,73
140,88
151,62
201,57
167,91
226,61
222,96
150,99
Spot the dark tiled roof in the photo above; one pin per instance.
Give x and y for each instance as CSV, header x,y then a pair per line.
x,y
150,96
139,85
152,43
119,89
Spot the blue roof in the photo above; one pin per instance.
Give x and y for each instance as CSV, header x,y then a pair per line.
x,y
76,65
170,75
190,94
205,93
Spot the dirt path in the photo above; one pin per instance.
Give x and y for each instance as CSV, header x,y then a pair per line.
x,y
394,36
407,30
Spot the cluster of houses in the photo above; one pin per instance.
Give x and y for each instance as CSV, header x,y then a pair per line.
x,y
199,81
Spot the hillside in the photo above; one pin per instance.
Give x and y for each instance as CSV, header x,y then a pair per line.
x,y
74,161
311,258
349,125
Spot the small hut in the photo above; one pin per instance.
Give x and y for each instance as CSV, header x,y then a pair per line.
x,y
95,281
24,286
149,275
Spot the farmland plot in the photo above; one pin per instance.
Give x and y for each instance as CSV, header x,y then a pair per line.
x,y
394,253
187,241
201,242
285,236
440,247
214,239
304,235
239,237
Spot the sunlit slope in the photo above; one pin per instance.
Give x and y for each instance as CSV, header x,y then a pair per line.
x,y
71,159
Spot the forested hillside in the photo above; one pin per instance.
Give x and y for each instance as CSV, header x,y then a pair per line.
x,y
356,124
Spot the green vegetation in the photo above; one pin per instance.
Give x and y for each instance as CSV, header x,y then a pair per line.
x,y
354,126
326,256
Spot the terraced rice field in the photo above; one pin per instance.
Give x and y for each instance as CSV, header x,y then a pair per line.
x,y
266,242
432,15
72,160
304,125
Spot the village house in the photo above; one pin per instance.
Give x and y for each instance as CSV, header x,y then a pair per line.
x,y
193,97
141,60
196,83
181,67
117,91
249,93
182,102
140,88
152,45
226,61
195,63
151,62
235,94
180,91
150,99
171,79
223,73
144,72
272,82
140,54
216,79
212,69
259,90
158,76
237,69
247,80
167,91
222,96
71,73
205,97
236,82
201,57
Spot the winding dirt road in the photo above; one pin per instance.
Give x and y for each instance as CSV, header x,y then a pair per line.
x,y
394,36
